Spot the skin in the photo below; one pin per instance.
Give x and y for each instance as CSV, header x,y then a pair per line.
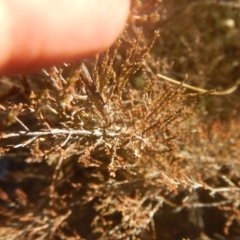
x,y
41,33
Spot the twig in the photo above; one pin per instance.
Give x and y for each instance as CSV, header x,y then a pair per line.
x,y
201,90
23,125
93,90
96,133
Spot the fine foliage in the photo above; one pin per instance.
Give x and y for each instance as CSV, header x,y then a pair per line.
x,y
108,148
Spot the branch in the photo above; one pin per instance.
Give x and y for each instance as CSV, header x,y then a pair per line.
x,y
201,90
96,133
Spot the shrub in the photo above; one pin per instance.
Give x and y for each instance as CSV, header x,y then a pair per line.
x,y
104,148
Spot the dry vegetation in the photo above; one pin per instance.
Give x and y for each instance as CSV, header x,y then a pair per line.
x,y
107,148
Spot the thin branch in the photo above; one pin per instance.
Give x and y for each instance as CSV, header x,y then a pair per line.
x,y
23,125
96,133
201,90
26,142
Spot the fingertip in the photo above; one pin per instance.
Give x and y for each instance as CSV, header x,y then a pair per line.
x,y
43,33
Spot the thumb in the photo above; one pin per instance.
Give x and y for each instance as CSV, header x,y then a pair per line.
x,y
41,33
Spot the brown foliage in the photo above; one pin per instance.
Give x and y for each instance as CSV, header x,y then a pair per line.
x,y
105,149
